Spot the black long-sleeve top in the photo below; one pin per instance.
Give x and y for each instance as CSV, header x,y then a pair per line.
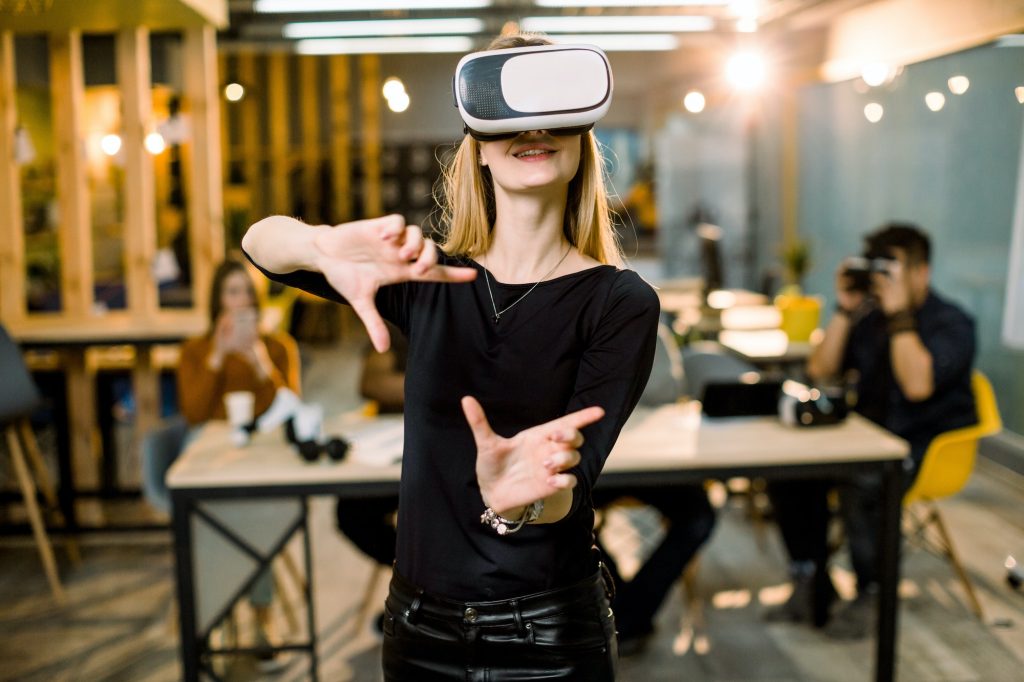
x,y
579,340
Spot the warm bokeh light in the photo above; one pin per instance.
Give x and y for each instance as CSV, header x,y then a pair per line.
x,y
958,84
399,102
745,70
873,112
935,101
233,92
1019,92
744,8
875,73
393,87
110,144
746,25
694,102
155,143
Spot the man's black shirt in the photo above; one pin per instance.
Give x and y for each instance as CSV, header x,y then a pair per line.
x,y
948,334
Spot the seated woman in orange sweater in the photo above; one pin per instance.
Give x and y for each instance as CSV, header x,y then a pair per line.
x,y
234,356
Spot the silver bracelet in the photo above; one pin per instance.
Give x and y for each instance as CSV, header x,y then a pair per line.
x,y
503,526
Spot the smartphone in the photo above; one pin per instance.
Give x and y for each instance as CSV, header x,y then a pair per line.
x,y
244,328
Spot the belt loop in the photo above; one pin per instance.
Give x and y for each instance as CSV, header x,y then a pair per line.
x,y
517,616
414,608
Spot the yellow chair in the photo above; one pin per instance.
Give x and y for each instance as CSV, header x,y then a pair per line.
x,y
947,465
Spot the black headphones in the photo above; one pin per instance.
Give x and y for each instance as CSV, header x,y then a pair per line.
x,y
310,450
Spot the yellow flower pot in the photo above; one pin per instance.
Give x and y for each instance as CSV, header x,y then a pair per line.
x,y
800,315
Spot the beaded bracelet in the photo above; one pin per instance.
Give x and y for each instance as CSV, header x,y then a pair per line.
x,y
503,526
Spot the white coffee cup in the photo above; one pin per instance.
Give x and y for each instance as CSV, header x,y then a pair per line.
x,y
240,406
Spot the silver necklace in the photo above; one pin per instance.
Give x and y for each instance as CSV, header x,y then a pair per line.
x,y
499,313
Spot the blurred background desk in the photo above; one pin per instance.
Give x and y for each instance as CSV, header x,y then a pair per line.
x,y
85,460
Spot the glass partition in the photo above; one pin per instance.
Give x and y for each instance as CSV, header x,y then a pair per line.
x,y
102,128
36,157
169,143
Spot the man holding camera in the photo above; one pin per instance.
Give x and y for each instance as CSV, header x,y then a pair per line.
x,y
906,354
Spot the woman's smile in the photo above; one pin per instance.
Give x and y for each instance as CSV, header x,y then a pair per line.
x,y
534,152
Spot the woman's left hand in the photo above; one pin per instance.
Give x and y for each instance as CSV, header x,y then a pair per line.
x,y
529,466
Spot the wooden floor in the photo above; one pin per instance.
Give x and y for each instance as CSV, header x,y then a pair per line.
x,y
120,620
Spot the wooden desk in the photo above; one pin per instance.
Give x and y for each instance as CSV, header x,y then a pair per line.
x,y
79,470
666,446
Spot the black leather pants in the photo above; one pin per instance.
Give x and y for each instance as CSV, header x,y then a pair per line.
x,y
562,634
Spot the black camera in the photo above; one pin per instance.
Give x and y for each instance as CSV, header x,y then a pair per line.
x,y
858,270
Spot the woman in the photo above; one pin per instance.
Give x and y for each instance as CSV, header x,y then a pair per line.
x,y
234,356
528,348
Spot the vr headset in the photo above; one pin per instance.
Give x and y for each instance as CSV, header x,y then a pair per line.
x,y
563,89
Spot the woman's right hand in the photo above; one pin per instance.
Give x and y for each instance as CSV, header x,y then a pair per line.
x,y
360,257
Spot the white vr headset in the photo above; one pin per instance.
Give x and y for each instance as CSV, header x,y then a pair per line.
x,y
563,89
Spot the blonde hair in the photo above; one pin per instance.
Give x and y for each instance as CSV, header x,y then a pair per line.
x,y
467,196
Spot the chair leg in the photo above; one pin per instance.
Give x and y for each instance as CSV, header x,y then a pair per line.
x,y
35,459
28,490
293,570
955,561
286,604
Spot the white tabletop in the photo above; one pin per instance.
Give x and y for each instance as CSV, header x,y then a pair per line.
x,y
673,437
680,437
211,461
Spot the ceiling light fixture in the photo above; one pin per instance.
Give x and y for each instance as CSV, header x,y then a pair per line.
x,y
631,3
301,6
873,112
746,70
694,102
387,27
384,45
876,73
935,101
958,84
623,24
624,42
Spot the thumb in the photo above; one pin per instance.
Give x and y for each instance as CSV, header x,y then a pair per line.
x,y
373,322
477,419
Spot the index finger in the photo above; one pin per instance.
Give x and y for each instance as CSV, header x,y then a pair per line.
x,y
579,419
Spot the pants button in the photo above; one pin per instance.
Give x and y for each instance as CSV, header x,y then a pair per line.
x,y
470,614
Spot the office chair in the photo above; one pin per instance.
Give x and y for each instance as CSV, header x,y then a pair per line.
x,y
945,469
18,401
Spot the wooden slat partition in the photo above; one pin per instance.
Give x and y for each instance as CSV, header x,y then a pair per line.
x,y
68,91
206,205
225,121
252,143
341,138
12,229
133,75
309,96
279,101
369,68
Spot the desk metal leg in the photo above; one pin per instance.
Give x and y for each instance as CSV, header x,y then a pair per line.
x,y
310,614
888,594
182,523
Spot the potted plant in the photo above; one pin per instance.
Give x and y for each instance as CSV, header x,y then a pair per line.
x,y
800,313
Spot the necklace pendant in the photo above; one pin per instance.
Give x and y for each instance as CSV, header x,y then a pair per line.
x,y
497,318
